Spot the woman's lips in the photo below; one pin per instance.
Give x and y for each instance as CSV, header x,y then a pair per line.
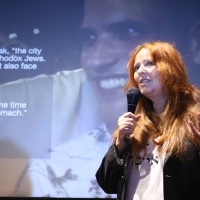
x,y
144,81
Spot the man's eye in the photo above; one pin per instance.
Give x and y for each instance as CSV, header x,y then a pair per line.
x,y
126,33
87,37
128,30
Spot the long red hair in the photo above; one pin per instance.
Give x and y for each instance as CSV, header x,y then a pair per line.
x,y
183,103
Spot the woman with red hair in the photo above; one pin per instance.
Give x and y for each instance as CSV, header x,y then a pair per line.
x,y
162,158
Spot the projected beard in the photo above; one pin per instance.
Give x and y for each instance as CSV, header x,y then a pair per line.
x,y
110,30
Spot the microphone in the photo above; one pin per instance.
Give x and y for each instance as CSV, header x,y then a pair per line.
x,y
133,96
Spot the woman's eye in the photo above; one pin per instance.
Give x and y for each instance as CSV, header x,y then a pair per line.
x,y
136,67
149,64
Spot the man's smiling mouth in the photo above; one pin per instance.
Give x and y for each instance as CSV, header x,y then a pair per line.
x,y
111,83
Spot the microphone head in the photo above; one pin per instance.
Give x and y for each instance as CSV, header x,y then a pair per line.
x,y
133,96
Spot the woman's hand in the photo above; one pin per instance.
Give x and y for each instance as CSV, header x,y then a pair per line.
x,y
126,125
196,130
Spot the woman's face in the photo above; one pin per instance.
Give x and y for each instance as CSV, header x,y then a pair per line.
x,y
146,76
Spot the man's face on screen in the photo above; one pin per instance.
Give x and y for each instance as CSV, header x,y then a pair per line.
x,y
110,30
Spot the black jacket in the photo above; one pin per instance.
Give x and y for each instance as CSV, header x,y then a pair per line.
x,y
181,178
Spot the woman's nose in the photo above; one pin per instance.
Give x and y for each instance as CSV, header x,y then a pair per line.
x,y
142,69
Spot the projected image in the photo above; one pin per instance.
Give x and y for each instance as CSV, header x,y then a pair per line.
x,y
62,76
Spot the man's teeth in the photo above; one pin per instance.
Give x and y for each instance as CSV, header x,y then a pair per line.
x,y
112,83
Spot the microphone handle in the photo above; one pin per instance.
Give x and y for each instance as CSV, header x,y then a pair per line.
x,y
126,139
131,108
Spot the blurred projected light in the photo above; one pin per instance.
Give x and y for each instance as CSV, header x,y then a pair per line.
x,y
12,35
36,31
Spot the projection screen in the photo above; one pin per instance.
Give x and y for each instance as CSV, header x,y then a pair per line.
x,y
62,76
